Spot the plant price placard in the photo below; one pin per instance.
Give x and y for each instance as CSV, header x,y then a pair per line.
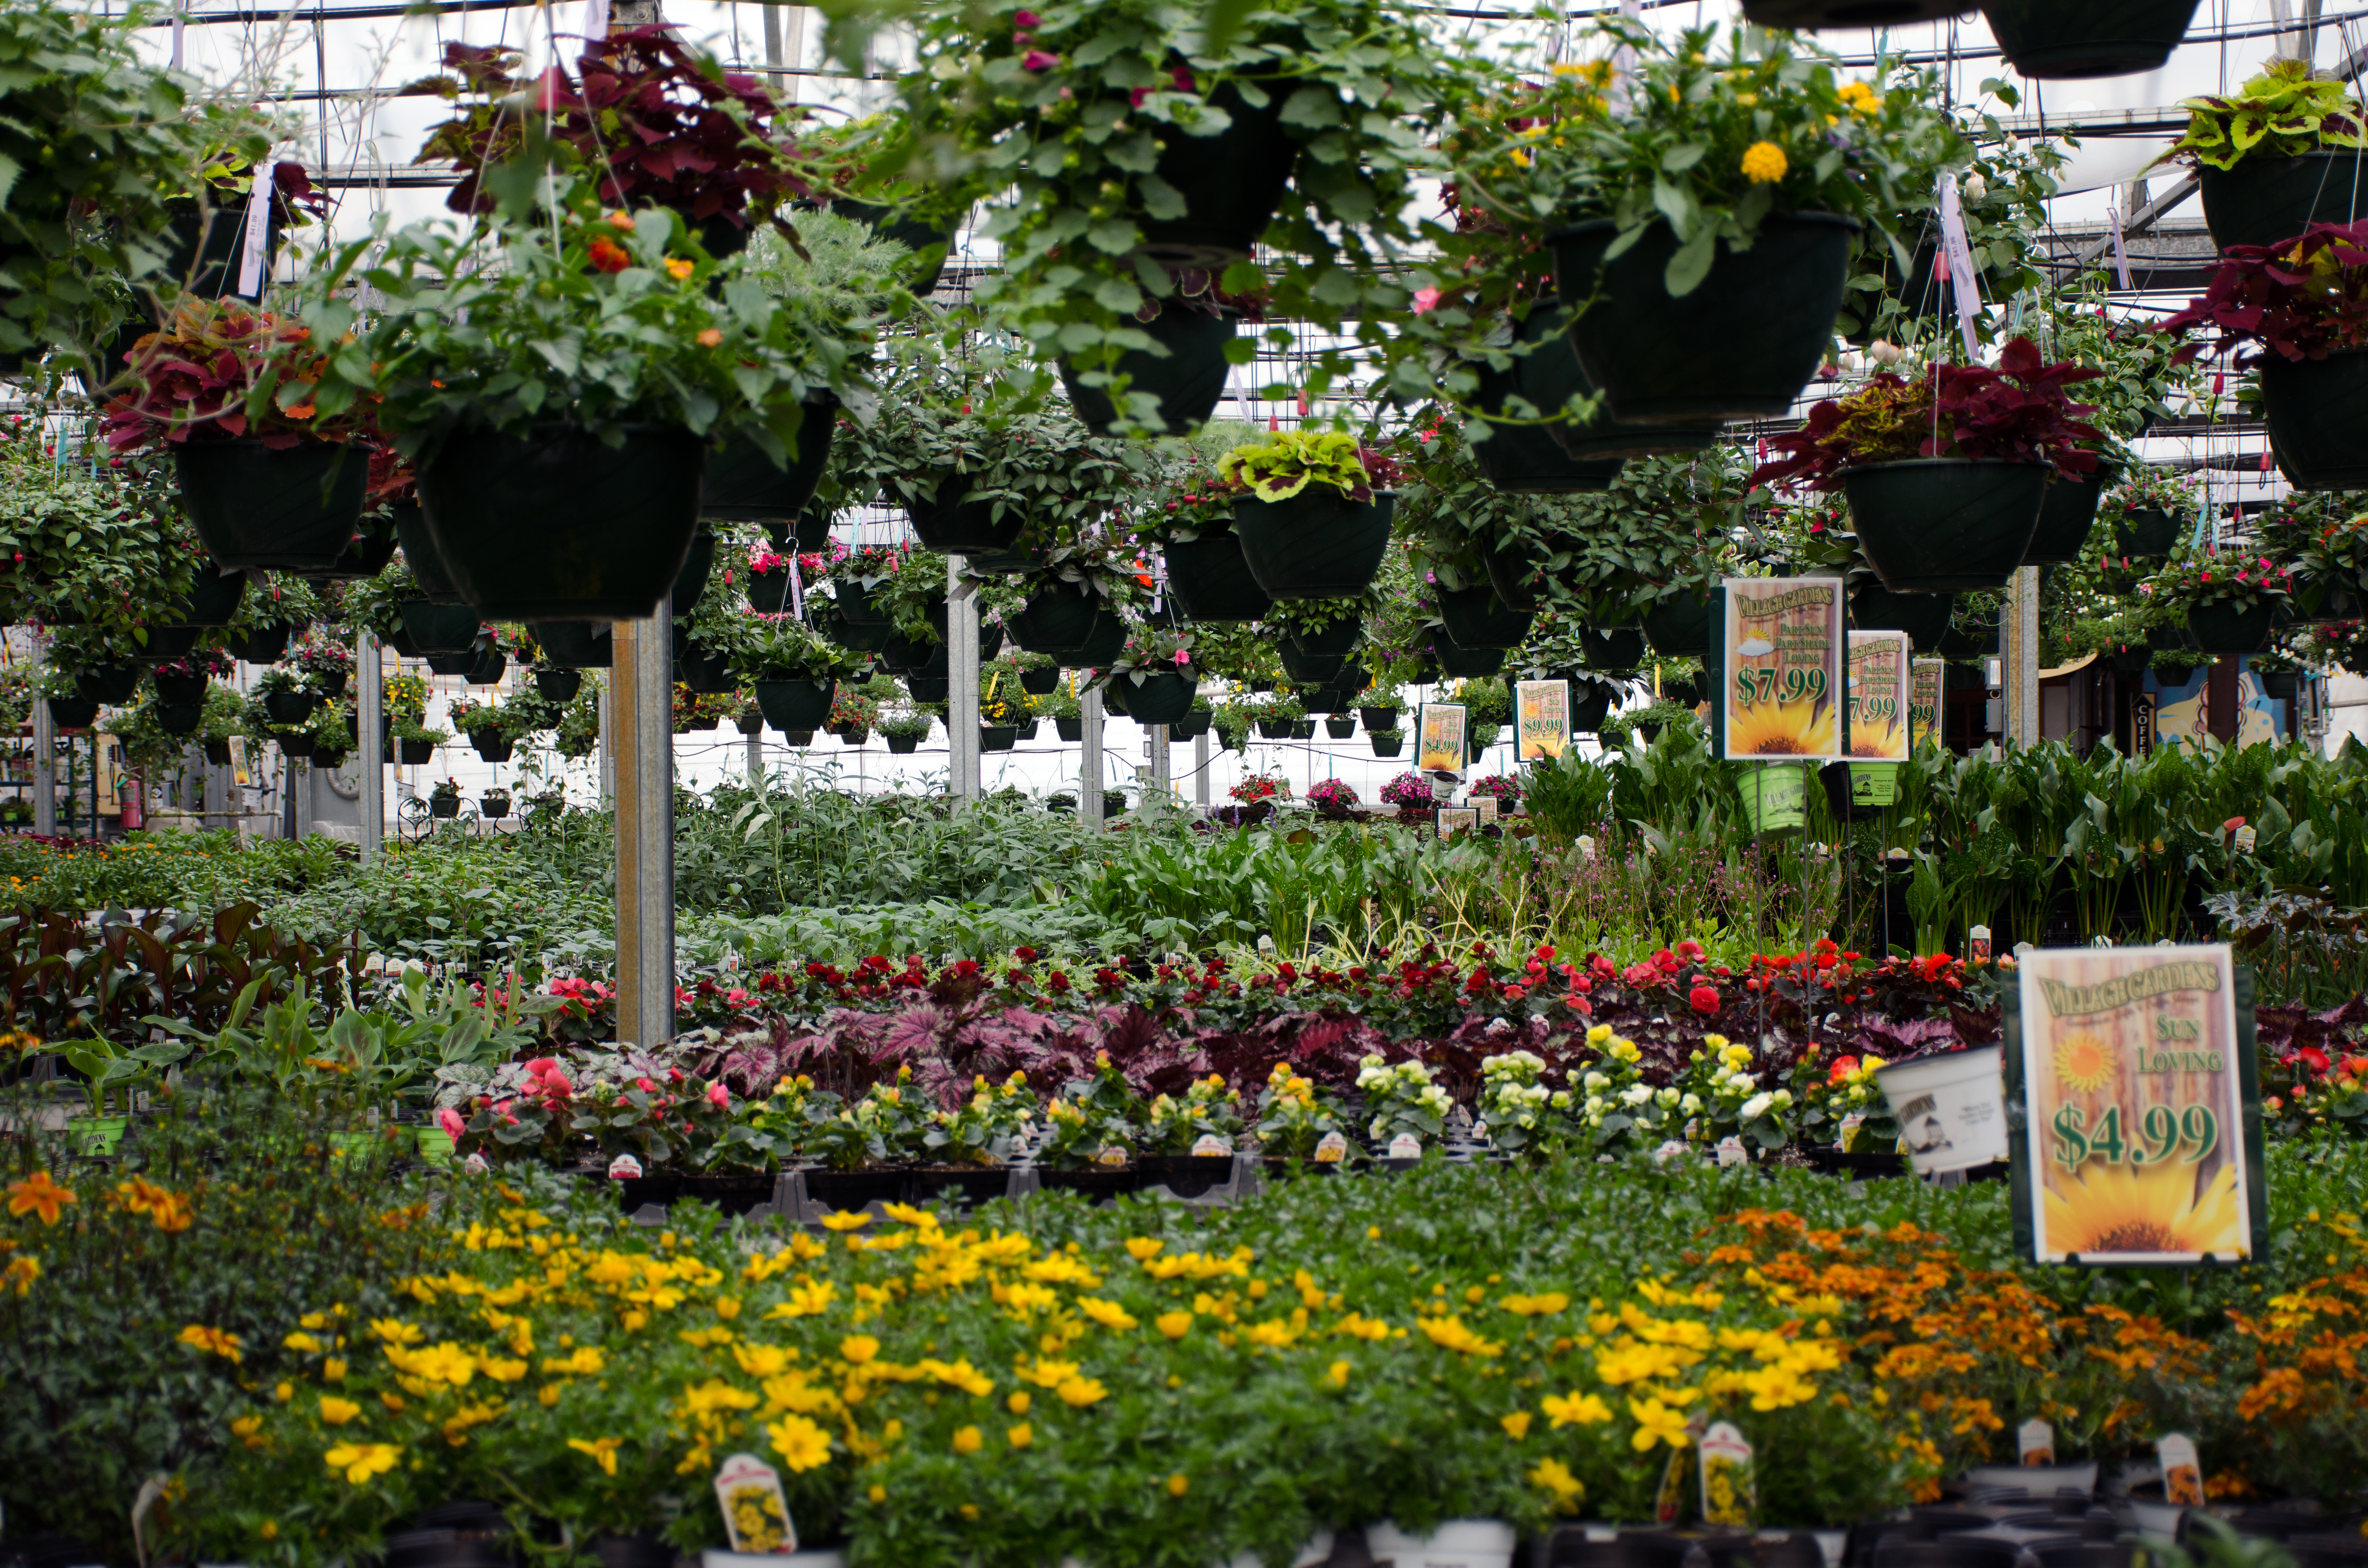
x,y
2141,1131
1877,706
1542,708
1780,663
1927,681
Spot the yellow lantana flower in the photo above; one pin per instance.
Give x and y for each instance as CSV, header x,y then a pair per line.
x,y
1764,163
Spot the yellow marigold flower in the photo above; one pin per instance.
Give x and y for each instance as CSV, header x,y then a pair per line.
x,y
587,1360
1859,97
1018,1401
249,1430
395,1333
332,1371
967,1441
1021,1436
801,1445
1545,1305
22,1271
314,1320
1175,1326
602,1450
1142,1247
1339,1372
304,1342
1109,1315
337,1412
215,1341
1655,1423
854,1221
1516,1425
1449,1333
858,1348
38,1194
878,1493
1764,163
1048,1373
1578,1410
1079,1392
1553,1475
1179,1484
362,1460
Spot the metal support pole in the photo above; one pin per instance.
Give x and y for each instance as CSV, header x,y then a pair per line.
x,y
641,733
606,761
756,759
2019,650
369,695
961,698
1201,770
1090,759
1155,783
45,749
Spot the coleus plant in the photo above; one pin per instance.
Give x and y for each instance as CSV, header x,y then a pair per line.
x,y
2300,299
2285,111
220,370
662,124
2016,413
1282,468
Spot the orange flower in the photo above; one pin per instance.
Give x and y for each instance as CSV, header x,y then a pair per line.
x,y
677,268
709,338
38,1194
608,255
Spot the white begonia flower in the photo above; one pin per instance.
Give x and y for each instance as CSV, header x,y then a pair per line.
x,y
1594,1081
1691,1105
1757,1107
1637,1094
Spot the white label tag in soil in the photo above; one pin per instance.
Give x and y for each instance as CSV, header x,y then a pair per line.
x,y
1406,1146
1732,1152
1332,1148
2035,1440
1209,1145
2182,1473
624,1167
756,1514
1111,1155
1728,1495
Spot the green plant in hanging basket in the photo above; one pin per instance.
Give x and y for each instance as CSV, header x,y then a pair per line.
x,y
2285,111
1280,468
2237,579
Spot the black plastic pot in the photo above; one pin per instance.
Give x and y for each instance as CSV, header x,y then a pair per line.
x,y
74,712
1191,727
110,683
768,591
1231,183
214,601
861,639
1160,698
1070,727
795,704
2065,517
372,548
1379,717
1188,381
458,663
1467,663
1811,14
2050,41
465,1534
997,737
166,643
1212,582
1386,743
179,691
2223,626
559,684
1742,345
297,743
690,578
1526,460
854,601
2316,410
290,707
1943,525
494,808
1334,639
1679,628
947,523
419,553
1549,376
294,509
1339,729
915,234
2264,201
415,754
1303,668
2143,534
1476,618
1924,617
929,688
1317,545
264,644
1059,619
1043,682
486,667
1516,572
1611,648
707,671
554,525
491,744
742,484
1590,704
440,629
574,644
179,718
903,745
799,738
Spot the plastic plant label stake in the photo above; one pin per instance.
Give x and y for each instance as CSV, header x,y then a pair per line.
x,y
1669,1501
1210,1146
1728,1496
2035,1441
624,1167
2182,1474
1406,1146
1111,1156
1732,1152
756,1514
1332,1148
1487,806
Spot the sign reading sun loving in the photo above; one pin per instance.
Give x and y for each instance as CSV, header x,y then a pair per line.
x,y
1780,662
2141,1139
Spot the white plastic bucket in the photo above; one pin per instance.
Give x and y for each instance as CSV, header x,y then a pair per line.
x,y
1951,1108
1458,1543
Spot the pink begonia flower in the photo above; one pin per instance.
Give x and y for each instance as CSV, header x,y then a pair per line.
x,y
449,1120
1028,19
719,1097
1134,98
1183,657
1038,60
1424,300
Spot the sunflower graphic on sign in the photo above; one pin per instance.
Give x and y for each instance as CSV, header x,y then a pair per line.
x,y
1784,669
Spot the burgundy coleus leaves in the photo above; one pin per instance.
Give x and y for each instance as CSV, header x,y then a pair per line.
x,y
2300,299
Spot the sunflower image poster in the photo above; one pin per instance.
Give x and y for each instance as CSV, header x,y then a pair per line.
x,y
1926,679
1439,738
1875,701
2141,1140
1542,710
1780,662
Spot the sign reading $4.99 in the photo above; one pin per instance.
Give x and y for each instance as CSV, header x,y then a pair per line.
x,y
2135,1093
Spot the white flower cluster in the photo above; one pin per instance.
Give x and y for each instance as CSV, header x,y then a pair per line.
x,y
1405,1090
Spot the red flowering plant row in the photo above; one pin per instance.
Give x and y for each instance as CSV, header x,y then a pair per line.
x,y
615,1102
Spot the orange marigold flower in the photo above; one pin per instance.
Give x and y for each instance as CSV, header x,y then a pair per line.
x,y
38,1194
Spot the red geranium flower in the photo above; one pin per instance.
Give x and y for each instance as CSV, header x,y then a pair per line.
x,y
1704,999
608,255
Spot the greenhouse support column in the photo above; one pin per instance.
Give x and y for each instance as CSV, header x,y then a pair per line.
x,y
1201,770
1089,759
45,777
2018,656
368,680
755,758
961,696
640,734
1154,741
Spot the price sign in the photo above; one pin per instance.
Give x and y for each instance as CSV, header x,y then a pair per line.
x,y
2141,1140
1439,738
1779,665
1543,709
1875,707
1927,683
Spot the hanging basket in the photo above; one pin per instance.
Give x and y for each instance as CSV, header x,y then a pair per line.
x,y
707,671
1611,648
1741,346
558,685
2224,627
1317,545
166,643
1334,637
1041,681
554,525
1060,619
1549,376
1191,727
440,629
1467,663
419,554
1516,571
692,578
2051,41
2264,201
1924,617
946,522
1188,380
110,683
854,601
1386,743
179,691
289,707
367,556
1230,183
1943,525
2065,519
1526,460
742,484
2146,533
1590,704
915,234
1679,628
180,718
575,644
1305,668
768,591
415,754
795,704
2317,412
293,509
929,688
213,602
490,744
1476,618
1810,13
486,665
1213,582
997,737
295,744
452,664
903,745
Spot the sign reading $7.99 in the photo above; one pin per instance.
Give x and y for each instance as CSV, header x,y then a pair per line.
x,y
1781,669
